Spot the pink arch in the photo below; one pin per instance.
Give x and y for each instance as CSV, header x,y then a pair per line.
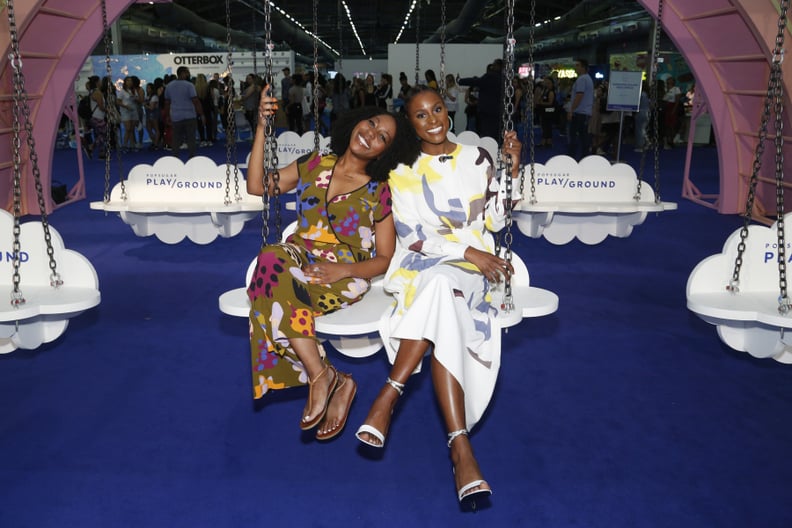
x,y
55,38
727,44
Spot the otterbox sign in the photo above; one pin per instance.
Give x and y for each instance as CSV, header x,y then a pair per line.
x,y
191,60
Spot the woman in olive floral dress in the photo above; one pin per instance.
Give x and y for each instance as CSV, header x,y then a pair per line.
x,y
343,199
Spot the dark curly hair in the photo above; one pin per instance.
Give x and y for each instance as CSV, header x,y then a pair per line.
x,y
403,149
419,89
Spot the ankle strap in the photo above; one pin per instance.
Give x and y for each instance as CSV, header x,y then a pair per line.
x,y
453,434
398,387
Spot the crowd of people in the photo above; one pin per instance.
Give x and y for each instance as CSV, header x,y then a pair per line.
x,y
172,111
574,109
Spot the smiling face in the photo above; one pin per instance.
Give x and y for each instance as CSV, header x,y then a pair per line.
x,y
429,116
371,137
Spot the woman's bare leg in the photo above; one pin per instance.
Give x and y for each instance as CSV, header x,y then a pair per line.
x,y
451,399
321,384
409,356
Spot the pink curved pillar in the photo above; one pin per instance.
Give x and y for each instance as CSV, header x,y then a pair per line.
x,y
55,37
728,44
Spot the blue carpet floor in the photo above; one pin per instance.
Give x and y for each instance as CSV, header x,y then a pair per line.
x,y
623,409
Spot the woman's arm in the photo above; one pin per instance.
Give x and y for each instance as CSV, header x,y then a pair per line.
x,y
289,175
385,242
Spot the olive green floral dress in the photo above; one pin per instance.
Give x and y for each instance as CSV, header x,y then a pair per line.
x,y
283,302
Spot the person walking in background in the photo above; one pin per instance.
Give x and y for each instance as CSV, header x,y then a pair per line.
x,y
183,107
546,106
490,99
579,114
152,115
384,91
250,100
451,98
431,80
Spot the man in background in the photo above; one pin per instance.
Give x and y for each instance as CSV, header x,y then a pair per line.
x,y
184,108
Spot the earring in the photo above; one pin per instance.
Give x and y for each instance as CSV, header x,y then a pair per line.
x,y
450,123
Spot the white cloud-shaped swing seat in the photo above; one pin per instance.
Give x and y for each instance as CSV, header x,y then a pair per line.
x,y
748,320
46,312
588,200
353,331
173,200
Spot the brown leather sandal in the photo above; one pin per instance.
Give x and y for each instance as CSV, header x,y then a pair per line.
x,y
332,433
319,417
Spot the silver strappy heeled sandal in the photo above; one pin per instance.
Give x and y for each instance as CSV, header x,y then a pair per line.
x,y
376,433
464,494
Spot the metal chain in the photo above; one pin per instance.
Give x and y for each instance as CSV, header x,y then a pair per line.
x,y
255,64
315,87
417,41
230,124
110,102
340,38
442,84
21,111
654,109
529,110
778,58
783,300
505,164
773,97
111,123
271,173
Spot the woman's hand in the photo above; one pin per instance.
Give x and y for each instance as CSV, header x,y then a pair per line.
x,y
492,267
512,148
268,105
326,272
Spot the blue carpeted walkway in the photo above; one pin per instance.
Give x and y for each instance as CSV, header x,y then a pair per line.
x,y
621,410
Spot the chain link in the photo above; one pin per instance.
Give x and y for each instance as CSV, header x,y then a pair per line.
x,y
21,112
110,101
774,99
230,124
417,41
529,109
442,83
271,173
315,87
340,60
255,51
655,110
505,164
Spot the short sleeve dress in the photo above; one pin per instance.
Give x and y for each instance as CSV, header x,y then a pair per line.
x,y
283,302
